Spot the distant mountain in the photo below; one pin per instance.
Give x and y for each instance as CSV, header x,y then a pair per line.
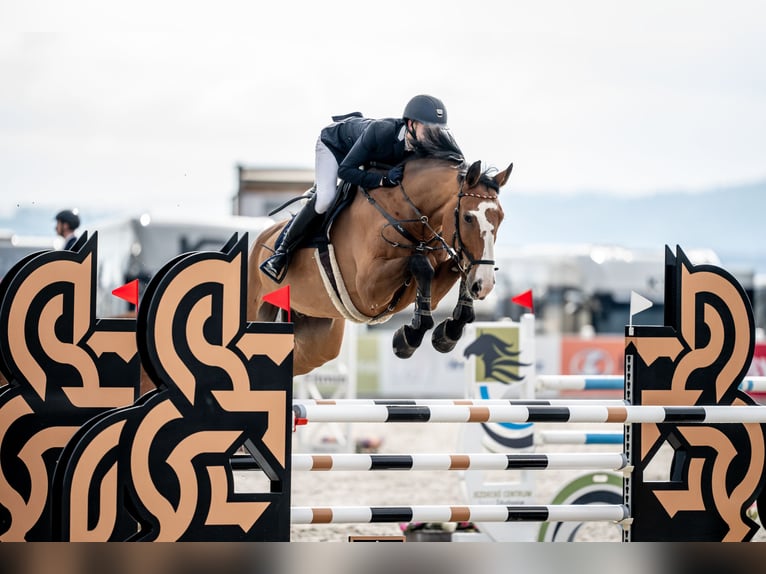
x,y
727,220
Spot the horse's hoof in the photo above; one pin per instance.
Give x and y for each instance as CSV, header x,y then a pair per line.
x,y
440,340
402,347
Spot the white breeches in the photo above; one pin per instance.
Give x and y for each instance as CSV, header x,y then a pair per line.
x,y
326,174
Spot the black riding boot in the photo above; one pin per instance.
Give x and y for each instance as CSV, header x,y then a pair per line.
x,y
276,265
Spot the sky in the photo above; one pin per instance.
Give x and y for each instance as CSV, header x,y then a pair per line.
x,y
152,105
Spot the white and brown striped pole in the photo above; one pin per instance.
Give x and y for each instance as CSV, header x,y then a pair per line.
x,y
625,414
472,513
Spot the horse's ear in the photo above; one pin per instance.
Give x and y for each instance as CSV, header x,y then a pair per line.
x,y
474,174
502,178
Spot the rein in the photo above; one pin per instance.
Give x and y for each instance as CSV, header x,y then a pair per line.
x,y
456,252
415,243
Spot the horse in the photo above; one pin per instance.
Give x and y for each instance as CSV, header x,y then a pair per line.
x,y
390,248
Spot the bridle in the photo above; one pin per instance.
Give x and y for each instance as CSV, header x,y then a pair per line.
x,y
461,251
458,251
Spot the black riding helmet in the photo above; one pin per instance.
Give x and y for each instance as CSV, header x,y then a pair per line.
x,y
426,109
69,217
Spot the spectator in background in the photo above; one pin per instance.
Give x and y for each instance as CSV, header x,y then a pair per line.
x,y
67,222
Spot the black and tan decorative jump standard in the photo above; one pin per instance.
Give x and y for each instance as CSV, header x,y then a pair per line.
x,y
697,358
85,458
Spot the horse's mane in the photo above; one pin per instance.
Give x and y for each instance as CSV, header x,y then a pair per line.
x,y
438,144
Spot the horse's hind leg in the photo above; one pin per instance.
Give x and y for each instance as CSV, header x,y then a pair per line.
x,y
409,337
317,341
447,333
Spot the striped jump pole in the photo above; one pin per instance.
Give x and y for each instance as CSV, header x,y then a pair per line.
x,y
472,513
617,383
579,437
581,382
454,402
625,414
440,462
753,385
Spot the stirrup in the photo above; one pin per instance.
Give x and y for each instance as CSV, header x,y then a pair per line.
x,y
274,273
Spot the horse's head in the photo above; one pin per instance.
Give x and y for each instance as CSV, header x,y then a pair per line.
x,y
478,215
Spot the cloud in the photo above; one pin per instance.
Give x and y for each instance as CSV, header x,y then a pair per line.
x,y
157,102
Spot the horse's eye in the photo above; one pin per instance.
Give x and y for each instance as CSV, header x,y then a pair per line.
x,y
467,217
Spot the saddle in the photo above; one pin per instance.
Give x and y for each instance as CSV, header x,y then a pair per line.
x,y
324,255
320,229
343,198
320,232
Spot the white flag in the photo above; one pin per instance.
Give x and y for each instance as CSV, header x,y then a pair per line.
x,y
638,303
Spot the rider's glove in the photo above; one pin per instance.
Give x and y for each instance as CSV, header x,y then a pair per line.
x,y
385,182
393,177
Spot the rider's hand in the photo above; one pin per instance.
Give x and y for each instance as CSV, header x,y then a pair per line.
x,y
393,177
385,182
395,174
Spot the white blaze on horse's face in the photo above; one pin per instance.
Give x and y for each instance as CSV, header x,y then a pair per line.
x,y
481,279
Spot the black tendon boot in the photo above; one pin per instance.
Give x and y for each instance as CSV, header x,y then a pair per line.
x,y
276,265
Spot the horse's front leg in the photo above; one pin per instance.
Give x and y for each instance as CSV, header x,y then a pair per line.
x,y
409,337
447,333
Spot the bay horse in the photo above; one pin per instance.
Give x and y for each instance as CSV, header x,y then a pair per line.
x,y
388,248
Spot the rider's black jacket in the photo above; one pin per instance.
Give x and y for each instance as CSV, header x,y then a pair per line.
x,y
355,141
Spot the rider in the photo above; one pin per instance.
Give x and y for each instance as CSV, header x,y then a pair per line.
x,y
345,145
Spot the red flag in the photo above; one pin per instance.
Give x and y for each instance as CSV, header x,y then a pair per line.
x,y
280,298
524,299
128,292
